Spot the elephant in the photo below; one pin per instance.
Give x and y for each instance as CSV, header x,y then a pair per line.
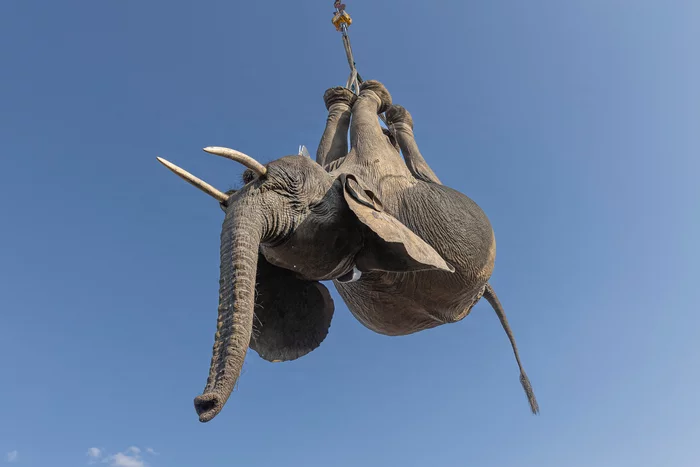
x,y
405,252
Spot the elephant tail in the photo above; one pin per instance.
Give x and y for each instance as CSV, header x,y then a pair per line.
x,y
492,298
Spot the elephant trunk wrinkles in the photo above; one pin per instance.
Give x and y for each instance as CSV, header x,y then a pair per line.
x,y
240,238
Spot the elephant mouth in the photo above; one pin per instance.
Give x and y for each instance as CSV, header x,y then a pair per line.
x,y
352,275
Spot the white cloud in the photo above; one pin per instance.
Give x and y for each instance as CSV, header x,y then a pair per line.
x,y
131,457
95,454
12,456
125,460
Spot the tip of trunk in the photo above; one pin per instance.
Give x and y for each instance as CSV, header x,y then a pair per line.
x,y
208,406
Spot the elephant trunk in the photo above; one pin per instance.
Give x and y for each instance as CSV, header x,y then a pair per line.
x,y
240,239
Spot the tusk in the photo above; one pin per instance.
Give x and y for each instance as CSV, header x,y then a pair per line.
x,y
191,179
238,156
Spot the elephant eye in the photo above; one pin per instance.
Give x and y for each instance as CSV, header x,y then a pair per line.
x,y
248,176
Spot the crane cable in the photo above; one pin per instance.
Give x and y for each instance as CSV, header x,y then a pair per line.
x,y
341,21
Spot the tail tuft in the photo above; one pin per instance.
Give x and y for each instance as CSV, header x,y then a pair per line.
x,y
530,393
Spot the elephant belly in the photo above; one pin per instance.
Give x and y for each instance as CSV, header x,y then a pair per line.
x,y
401,304
405,303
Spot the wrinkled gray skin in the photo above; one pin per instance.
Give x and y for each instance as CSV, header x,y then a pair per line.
x,y
425,251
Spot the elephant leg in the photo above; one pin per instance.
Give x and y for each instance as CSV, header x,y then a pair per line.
x,y
392,140
400,122
366,135
334,142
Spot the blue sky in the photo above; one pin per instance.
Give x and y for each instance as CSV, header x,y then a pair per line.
x,y
573,124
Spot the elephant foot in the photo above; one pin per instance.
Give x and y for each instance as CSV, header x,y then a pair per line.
x,y
398,114
380,92
339,95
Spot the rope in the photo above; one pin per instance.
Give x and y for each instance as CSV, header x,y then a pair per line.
x,y
354,80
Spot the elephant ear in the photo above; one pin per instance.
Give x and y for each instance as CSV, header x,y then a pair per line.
x,y
388,245
292,316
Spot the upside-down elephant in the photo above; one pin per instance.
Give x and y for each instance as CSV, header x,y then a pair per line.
x,y
405,252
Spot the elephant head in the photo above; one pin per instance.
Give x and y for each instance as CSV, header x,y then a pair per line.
x,y
290,226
